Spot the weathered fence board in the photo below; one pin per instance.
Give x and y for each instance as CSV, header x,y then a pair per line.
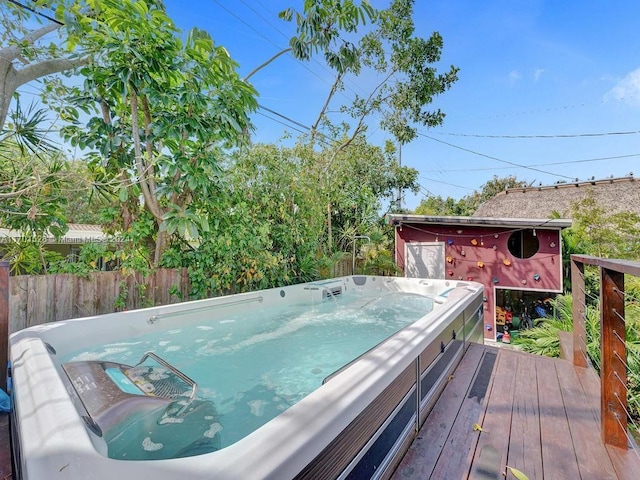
x,y
17,303
85,304
38,299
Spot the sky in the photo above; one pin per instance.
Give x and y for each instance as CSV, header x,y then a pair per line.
x,y
548,91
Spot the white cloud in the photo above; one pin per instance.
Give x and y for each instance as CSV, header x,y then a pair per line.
x,y
514,76
537,74
627,90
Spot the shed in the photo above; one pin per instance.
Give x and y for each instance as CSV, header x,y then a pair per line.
x,y
518,260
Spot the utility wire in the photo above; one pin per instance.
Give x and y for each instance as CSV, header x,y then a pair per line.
x,y
273,43
51,19
285,117
281,122
568,162
568,135
446,183
494,158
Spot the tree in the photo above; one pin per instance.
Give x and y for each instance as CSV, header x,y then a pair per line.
x,y
595,231
442,207
273,229
31,177
28,54
408,80
491,188
168,110
468,204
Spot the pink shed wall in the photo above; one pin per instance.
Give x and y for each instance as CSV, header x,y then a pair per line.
x,y
547,262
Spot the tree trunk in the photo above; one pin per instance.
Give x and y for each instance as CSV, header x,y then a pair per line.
x,y
7,87
162,240
329,231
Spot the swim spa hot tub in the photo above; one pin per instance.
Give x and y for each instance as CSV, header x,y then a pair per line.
x,y
327,379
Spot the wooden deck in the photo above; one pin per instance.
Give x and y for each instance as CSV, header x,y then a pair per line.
x,y
506,408
5,452
536,414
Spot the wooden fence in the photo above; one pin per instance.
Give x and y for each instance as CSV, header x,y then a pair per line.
x,y
37,299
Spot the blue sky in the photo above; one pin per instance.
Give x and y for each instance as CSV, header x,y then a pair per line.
x,y
548,90
559,69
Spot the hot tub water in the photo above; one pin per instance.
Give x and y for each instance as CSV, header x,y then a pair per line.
x,y
255,365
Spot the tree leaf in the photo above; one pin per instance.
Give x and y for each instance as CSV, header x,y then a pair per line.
x,y
517,473
478,428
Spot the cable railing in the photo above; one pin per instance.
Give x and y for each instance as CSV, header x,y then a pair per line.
x,y
614,358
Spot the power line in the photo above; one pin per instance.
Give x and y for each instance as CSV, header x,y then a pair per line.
x,y
494,158
272,43
446,183
51,19
576,135
542,110
265,19
285,117
537,164
322,138
281,123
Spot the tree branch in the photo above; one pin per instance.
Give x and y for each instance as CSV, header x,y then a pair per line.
x,y
47,67
149,200
32,37
261,66
334,88
148,144
364,114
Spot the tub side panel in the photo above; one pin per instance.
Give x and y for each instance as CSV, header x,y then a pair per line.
x,y
339,454
474,321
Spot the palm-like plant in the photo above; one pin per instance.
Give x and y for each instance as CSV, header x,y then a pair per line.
x,y
543,339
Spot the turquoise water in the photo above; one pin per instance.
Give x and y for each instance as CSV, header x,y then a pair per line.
x,y
255,365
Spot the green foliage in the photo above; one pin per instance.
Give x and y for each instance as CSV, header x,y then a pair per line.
x,y
442,207
31,177
388,51
84,201
164,107
595,231
238,256
166,112
28,255
543,339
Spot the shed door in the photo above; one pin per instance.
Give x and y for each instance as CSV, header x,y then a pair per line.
x,y
425,260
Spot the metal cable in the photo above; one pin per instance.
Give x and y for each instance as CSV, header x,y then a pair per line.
x,y
624,385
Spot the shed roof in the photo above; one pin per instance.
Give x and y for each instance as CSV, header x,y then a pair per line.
x,y
540,223
77,234
612,194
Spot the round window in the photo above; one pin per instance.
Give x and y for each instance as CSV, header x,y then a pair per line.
x,y
523,243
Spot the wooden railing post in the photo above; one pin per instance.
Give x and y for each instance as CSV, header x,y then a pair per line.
x,y
579,330
613,375
4,322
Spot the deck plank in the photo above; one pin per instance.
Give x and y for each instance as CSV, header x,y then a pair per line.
x,y
593,460
420,459
626,462
462,439
525,451
5,452
558,458
490,456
